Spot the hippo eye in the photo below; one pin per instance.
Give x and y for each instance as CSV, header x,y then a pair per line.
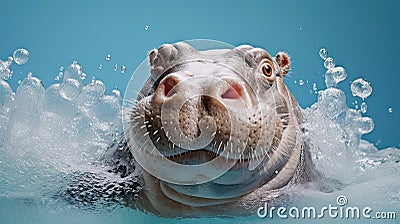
x,y
267,69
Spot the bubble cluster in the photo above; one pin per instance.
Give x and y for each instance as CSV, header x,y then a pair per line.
x,y
21,56
74,71
46,133
361,88
5,71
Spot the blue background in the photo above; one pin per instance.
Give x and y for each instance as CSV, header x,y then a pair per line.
x,y
362,36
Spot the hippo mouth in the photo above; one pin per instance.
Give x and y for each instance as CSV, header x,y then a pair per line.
x,y
193,157
199,156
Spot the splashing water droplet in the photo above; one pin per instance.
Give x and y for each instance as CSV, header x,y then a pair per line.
x,y
70,89
116,93
363,107
21,56
115,67
323,53
146,27
314,87
108,57
335,75
123,69
301,82
390,110
100,66
61,68
361,88
329,63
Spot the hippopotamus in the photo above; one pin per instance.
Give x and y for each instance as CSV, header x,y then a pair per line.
x,y
215,132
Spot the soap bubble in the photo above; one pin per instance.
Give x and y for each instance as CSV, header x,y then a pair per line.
x,y
70,89
92,93
21,56
329,63
53,102
323,53
107,109
361,88
335,75
29,93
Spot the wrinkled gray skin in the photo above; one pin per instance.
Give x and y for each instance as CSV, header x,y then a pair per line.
x,y
222,85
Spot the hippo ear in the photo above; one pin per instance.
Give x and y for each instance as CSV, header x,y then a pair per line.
x,y
283,61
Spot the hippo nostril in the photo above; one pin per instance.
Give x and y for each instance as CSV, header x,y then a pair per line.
x,y
234,92
169,84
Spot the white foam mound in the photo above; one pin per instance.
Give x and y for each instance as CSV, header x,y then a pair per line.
x,y
45,134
